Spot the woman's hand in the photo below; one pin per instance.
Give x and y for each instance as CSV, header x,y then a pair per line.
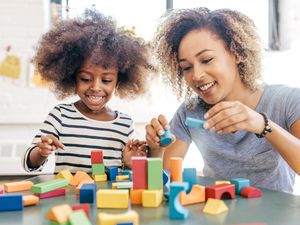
x,y
48,144
228,117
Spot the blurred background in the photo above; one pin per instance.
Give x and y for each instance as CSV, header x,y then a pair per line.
x,y
25,100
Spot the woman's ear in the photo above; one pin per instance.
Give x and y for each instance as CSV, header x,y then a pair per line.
x,y
237,59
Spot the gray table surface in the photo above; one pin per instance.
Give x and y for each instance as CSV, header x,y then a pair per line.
x,y
274,208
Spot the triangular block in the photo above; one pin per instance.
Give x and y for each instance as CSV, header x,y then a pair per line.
x,y
215,206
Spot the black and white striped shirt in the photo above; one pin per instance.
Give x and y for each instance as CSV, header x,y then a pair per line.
x,y
80,135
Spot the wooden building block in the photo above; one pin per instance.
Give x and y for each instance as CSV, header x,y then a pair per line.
x,y
127,172
51,194
166,138
66,174
98,169
239,184
190,176
79,217
107,198
176,169
96,156
49,185
166,177
139,172
11,202
18,186
78,177
1,191
220,191
121,185
102,177
194,123
152,198
222,182
196,195
176,211
155,179
85,207
251,192
111,172
77,189
87,193
215,206
59,213
136,196
30,200
113,219
122,177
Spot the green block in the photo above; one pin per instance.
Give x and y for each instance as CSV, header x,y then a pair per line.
x,y
98,169
155,177
78,217
50,185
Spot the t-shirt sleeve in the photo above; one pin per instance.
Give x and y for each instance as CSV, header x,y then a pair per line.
x,y
292,108
131,131
51,125
178,127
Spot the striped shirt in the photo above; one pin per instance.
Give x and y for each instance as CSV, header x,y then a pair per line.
x,y
80,135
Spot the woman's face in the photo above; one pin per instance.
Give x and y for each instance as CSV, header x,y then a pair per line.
x,y
208,67
95,86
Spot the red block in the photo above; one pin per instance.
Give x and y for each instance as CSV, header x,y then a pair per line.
x,y
54,193
96,156
1,191
220,191
251,192
139,172
84,207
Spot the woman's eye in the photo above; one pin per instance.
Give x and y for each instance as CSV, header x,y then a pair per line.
x,y
185,69
207,60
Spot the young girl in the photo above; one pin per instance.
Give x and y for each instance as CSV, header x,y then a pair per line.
x,y
251,130
88,56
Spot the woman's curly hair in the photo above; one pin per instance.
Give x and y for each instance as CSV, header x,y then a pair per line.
x,y
63,49
236,30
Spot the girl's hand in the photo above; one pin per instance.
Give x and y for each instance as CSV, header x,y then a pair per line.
x,y
134,148
227,117
48,144
154,130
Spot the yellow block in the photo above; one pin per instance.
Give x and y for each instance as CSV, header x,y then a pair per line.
x,y
66,174
30,200
122,177
152,198
11,66
119,185
24,185
112,219
215,206
196,195
111,198
100,177
222,182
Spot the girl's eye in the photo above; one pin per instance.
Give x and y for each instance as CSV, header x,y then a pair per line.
x,y
106,81
85,79
207,61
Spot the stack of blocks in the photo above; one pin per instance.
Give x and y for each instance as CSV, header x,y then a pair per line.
x,y
98,169
147,181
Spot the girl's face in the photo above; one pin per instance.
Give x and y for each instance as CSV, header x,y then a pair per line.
x,y
208,68
95,86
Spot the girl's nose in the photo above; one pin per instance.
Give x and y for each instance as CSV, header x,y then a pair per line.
x,y
96,86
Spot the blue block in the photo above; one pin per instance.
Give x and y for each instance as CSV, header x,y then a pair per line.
x,y
127,172
111,172
88,193
190,176
166,138
239,183
127,223
194,123
165,177
11,202
176,210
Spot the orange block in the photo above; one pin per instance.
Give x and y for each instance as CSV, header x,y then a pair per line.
x,y
30,200
136,196
176,169
59,213
18,186
77,189
78,177
196,195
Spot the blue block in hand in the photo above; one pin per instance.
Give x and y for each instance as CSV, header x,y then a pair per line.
x,y
195,123
166,138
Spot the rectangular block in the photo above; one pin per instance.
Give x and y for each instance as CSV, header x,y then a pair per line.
x,y
77,189
139,172
194,123
98,169
11,202
18,186
87,193
96,156
102,177
49,186
112,172
51,194
107,198
79,217
155,171
30,200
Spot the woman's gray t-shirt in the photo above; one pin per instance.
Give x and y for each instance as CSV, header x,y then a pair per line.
x,y
242,154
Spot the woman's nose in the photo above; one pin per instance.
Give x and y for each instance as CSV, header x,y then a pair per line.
x,y
198,74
